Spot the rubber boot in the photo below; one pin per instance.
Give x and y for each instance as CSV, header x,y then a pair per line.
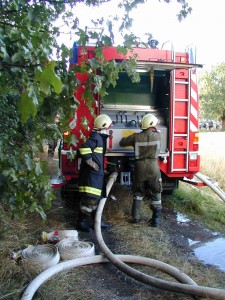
x,y
104,225
155,220
136,209
83,223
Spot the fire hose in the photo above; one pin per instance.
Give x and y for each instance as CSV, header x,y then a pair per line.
x,y
216,189
40,257
69,249
187,285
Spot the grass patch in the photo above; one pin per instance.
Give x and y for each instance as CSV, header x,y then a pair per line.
x,y
212,146
200,206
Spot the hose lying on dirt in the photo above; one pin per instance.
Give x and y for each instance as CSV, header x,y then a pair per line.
x,y
190,289
187,285
82,261
211,185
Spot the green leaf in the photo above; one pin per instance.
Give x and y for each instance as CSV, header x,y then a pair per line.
x,y
17,57
99,52
32,95
94,63
28,161
41,212
120,49
107,41
38,169
11,173
5,55
33,206
48,78
73,140
27,107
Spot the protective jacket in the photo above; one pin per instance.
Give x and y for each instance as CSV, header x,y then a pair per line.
x,y
91,182
147,172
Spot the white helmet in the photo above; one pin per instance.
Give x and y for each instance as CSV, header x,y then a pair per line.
x,y
148,121
102,122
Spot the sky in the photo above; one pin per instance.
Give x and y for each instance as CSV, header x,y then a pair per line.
x,y
203,28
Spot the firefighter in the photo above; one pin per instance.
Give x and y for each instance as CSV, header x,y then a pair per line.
x,y
147,176
91,175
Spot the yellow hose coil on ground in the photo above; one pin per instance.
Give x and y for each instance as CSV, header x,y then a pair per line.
x,y
70,249
40,257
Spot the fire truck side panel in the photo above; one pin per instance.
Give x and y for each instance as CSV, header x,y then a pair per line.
x,y
83,120
146,54
169,93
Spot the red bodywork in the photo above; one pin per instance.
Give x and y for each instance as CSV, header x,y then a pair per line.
x,y
180,157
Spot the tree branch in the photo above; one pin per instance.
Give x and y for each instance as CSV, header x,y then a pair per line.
x,y
12,25
5,65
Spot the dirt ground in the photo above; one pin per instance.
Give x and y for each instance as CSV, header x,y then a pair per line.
x,y
169,243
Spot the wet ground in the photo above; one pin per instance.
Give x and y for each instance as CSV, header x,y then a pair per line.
x,y
205,245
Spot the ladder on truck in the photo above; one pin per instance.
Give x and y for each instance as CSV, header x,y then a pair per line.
x,y
180,120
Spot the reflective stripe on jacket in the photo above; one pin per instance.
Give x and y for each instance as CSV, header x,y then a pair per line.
x,y
90,190
90,182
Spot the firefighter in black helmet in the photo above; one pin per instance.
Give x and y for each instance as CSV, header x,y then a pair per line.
x,y
91,175
147,176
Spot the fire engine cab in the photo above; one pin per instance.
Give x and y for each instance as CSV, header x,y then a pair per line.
x,y
167,88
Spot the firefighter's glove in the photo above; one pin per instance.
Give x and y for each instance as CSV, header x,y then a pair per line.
x,y
92,164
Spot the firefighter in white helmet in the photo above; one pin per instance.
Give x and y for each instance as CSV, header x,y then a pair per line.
x,y
147,177
91,174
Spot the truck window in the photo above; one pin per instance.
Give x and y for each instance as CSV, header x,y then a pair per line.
x,y
128,93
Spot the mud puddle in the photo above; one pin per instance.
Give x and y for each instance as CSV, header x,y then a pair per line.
x,y
212,253
207,246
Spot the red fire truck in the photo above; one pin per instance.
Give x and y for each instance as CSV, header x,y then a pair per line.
x,y
167,88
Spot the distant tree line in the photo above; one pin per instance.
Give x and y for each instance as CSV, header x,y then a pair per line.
x,y
212,94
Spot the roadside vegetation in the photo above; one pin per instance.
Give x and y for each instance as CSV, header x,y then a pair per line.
x,y
203,204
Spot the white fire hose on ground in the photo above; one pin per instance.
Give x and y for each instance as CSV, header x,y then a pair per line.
x,y
216,189
188,286
40,257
